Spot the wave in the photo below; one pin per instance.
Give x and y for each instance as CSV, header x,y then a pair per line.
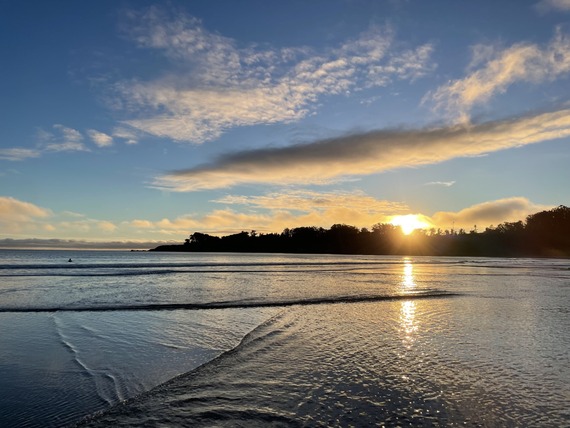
x,y
171,272
507,271
235,304
98,380
182,265
107,417
101,269
391,261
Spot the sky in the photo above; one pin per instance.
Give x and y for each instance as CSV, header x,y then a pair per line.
x,y
131,123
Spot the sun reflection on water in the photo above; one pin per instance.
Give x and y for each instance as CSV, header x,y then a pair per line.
x,y
408,275
408,324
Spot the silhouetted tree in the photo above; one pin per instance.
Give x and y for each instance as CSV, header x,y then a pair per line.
x,y
546,233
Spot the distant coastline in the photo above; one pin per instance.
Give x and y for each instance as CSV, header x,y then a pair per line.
x,y
544,234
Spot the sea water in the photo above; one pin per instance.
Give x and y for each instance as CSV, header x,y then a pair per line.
x,y
132,339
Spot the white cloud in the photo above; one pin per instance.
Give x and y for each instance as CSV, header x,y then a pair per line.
x,y
106,226
66,146
522,62
488,213
25,220
52,243
130,136
99,138
65,139
17,216
30,225
143,224
61,139
553,5
304,200
440,183
18,154
368,153
14,210
84,226
72,214
229,85
276,211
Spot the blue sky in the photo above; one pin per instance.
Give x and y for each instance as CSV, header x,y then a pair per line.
x,y
142,122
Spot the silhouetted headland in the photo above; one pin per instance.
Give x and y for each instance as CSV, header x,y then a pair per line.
x,y
544,234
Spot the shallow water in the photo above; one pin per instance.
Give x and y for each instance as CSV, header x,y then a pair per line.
x,y
481,342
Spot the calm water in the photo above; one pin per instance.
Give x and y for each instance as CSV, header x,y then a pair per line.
x,y
283,340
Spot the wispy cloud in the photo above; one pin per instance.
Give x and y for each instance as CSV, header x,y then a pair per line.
x,y
63,139
522,62
26,224
553,5
367,153
130,136
100,138
18,154
106,226
305,200
52,243
488,213
83,226
228,85
17,216
440,183
274,212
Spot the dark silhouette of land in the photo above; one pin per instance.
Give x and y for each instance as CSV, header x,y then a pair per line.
x,y
544,234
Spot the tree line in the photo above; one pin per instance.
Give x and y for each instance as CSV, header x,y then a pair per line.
x,y
544,234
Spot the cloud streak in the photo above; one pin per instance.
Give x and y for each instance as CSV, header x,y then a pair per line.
x,y
18,154
307,201
440,183
14,210
368,153
22,219
67,140
553,5
27,225
37,243
130,136
274,212
228,85
100,138
488,213
522,62
17,216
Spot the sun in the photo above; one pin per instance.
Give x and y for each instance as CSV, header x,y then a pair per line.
x,y
410,222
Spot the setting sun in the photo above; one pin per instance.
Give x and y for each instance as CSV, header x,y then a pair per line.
x,y
410,222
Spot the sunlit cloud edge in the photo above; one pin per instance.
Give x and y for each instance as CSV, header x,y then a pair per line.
x,y
367,153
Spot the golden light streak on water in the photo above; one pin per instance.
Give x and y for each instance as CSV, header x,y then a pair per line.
x,y
408,275
408,323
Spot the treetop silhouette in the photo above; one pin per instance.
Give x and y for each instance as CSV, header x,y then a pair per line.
x,y
544,234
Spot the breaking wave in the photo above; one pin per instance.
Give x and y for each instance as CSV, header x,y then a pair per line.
x,y
234,304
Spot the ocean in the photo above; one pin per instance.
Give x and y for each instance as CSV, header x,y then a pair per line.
x,y
131,339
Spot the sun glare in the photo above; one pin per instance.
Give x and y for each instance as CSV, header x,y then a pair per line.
x,y
410,222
